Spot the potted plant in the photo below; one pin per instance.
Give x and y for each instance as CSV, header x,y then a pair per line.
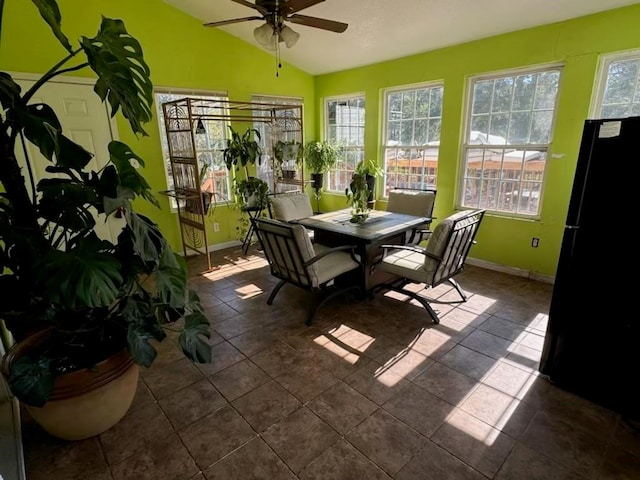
x,y
242,150
320,157
286,155
252,199
360,191
252,193
84,311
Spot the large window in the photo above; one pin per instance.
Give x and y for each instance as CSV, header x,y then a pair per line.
x,y
413,119
267,138
618,93
344,122
509,124
209,145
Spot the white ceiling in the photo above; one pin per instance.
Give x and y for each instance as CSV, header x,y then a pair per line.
x,y
384,29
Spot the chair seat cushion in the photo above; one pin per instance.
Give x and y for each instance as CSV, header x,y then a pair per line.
x,y
332,265
405,263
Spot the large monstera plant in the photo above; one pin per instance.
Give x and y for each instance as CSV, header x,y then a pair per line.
x,y
96,296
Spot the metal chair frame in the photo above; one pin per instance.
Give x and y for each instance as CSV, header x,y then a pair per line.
x,y
294,270
460,240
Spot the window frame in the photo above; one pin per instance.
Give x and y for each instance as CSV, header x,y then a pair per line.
x,y
465,131
384,126
602,75
184,92
343,148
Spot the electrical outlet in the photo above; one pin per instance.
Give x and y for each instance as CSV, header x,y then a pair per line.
x,y
216,227
535,241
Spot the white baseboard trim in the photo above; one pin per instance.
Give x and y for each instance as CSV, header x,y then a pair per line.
x,y
511,270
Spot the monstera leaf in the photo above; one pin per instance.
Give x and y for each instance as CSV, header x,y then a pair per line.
x,y
66,203
147,239
138,335
87,275
126,163
32,380
192,339
9,91
50,12
123,75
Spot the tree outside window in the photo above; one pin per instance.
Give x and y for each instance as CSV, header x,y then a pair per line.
x,y
509,125
619,92
344,121
413,120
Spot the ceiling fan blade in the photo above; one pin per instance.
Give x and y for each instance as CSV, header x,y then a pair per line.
x,y
233,20
251,5
293,6
322,23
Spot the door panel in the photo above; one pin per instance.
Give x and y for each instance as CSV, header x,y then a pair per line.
x,y
84,120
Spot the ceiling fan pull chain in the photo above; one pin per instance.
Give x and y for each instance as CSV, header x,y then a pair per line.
x,y
278,63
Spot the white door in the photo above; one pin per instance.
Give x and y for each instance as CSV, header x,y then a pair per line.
x,y
85,120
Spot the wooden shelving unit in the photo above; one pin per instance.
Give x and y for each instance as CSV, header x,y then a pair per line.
x,y
182,118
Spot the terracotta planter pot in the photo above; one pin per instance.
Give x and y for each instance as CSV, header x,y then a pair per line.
x,y
86,402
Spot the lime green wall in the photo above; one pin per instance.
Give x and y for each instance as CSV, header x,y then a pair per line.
x,y
180,52
576,44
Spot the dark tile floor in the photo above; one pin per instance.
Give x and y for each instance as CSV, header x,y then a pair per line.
x,y
372,390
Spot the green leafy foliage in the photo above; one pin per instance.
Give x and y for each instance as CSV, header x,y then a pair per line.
x,y
241,149
358,194
123,75
9,91
50,12
87,275
31,380
320,157
55,271
252,186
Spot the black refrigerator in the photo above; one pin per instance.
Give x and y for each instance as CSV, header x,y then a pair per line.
x,y
592,343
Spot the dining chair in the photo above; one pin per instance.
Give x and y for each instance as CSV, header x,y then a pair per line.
x,y
289,207
316,268
416,202
439,262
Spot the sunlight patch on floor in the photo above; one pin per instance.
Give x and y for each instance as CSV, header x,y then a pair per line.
x,y
248,291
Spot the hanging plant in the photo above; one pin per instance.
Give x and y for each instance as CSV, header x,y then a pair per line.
x,y
242,150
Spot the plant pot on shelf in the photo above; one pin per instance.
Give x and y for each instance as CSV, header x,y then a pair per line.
x,y
85,402
251,201
318,180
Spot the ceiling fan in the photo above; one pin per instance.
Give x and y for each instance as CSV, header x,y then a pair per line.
x,y
274,13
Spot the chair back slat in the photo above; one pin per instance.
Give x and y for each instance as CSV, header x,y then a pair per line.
x,y
281,247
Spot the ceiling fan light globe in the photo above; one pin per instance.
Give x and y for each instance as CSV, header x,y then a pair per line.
x,y
289,36
265,36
